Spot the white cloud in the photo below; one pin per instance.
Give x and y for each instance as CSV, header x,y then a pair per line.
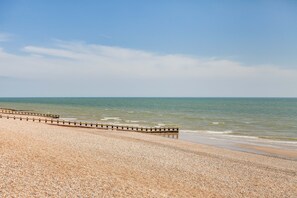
x,y
97,70
5,37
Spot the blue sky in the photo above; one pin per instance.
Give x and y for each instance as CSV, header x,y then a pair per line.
x,y
232,48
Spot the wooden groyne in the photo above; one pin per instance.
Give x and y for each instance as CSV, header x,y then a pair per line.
x,y
16,112
171,132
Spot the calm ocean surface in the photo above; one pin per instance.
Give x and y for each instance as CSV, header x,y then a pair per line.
x,y
268,118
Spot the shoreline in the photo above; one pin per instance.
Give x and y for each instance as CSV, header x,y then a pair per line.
x,y
114,120
46,160
273,152
250,144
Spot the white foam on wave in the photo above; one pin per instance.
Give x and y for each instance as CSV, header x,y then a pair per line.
x,y
68,119
130,125
228,133
190,131
132,121
286,142
161,125
216,123
279,141
219,132
204,131
110,118
244,136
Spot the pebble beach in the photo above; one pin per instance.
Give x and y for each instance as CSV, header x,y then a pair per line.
x,y
42,160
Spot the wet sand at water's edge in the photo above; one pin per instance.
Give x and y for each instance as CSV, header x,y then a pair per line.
x,y
285,153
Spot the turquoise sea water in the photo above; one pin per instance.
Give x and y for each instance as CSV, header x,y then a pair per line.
x,y
268,118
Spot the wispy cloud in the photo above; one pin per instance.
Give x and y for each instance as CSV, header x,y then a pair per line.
x,y
81,69
5,37
50,52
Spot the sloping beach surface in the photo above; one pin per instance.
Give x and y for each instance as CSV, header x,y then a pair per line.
x,y
40,160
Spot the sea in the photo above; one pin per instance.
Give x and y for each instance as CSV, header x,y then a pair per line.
x,y
272,119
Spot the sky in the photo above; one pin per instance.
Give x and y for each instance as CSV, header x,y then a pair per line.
x,y
156,48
